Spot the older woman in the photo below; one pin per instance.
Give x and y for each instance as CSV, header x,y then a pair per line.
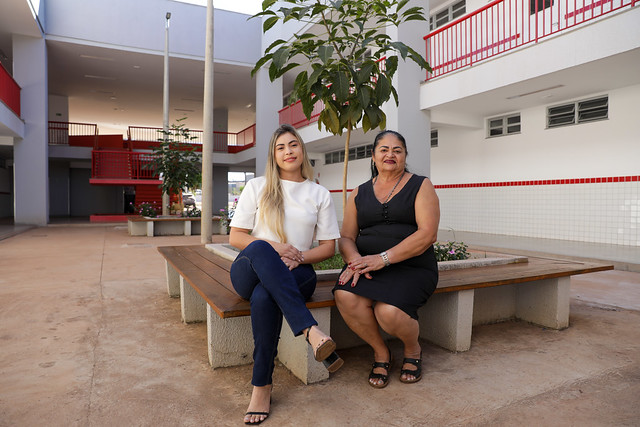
x,y
274,225
390,224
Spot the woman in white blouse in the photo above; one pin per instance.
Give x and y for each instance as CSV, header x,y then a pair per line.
x,y
274,225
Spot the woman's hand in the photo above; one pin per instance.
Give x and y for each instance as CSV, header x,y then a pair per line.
x,y
290,262
361,266
287,250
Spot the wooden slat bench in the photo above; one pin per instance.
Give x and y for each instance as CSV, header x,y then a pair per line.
x,y
536,291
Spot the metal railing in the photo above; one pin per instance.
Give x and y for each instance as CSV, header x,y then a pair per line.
x,y
59,132
221,140
293,115
112,164
9,91
504,25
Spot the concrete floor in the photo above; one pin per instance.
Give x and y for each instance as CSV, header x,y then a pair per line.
x,y
89,337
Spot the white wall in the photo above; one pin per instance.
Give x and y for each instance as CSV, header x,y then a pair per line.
x,y
591,212
602,148
140,24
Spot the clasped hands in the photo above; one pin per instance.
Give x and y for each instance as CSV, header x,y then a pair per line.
x,y
357,267
290,255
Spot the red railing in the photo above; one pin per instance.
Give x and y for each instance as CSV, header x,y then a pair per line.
x,y
504,25
59,132
293,115
9,91
108,164
222,141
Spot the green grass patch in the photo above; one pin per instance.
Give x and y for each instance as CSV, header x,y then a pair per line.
x,y
335,262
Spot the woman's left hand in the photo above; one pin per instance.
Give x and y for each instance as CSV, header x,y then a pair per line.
x,y
290,263
367,264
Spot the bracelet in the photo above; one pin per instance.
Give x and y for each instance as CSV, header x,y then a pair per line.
x,y
385,259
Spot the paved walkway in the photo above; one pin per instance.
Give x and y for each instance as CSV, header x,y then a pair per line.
x,y
89,337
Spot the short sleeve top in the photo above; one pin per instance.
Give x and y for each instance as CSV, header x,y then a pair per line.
x,y
308,212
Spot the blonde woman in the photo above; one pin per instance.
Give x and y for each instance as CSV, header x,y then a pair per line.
x,y
274,225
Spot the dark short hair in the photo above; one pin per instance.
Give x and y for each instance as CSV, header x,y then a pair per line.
x,y
376,141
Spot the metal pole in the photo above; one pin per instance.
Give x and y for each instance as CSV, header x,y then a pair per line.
x,y
206,229
165,101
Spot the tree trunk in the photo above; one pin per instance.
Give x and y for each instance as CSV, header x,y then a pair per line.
x,y
346,168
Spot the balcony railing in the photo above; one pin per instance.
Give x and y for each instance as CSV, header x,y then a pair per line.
x,y
59,132
9,91
113,164
504,25
294,116
222,141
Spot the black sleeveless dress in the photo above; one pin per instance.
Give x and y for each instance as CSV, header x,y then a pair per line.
x,y
407,284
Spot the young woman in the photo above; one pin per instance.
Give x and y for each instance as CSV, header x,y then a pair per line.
x,y
274,225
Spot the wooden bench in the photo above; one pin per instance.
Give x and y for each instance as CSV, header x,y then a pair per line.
x,y
168,226
536,291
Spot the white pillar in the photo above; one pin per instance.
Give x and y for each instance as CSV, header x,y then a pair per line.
x,y
413,123
208,127
165,100
268,102
31,154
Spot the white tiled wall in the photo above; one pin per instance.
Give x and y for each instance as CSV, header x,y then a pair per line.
x,y
599,212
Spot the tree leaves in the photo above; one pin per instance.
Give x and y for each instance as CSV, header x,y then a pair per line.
x,y
351,60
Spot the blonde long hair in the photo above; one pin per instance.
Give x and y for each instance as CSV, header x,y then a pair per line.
x,y
271,203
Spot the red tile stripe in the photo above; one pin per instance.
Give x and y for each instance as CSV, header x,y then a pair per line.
x,y
565,181
604,179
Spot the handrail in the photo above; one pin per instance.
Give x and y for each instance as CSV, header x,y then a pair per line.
x,y
9,91
115,164
505,25
59,132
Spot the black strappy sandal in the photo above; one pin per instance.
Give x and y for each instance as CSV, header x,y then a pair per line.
x,y
383,377
417,373
324,349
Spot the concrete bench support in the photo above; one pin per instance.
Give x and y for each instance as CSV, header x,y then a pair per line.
x,y
229,341
193,306
446,320
296,354
173,281
545,302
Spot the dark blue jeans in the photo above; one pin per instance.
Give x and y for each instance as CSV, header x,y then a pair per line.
x,y
259,275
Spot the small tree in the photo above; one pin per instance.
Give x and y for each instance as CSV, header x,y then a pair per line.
x,y
176,161
348,65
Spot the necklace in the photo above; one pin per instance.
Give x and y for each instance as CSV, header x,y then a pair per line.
x,y
393,189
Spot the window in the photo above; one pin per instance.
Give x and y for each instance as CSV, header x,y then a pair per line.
x,y
539,5
505,125
449,14
578,112
355,153
434,138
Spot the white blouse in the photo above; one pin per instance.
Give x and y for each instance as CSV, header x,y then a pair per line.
x,y
308,212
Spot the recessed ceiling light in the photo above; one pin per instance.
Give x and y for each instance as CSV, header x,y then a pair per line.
x,y
136,66
535,91
99,58
113,98
249,105
90,76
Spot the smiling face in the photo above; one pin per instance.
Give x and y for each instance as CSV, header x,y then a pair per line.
x,y
389,155
289,156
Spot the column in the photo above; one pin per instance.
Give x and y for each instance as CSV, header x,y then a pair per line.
x,y
413,123
31,154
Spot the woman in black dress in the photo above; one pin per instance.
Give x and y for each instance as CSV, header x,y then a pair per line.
x,y
389,227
